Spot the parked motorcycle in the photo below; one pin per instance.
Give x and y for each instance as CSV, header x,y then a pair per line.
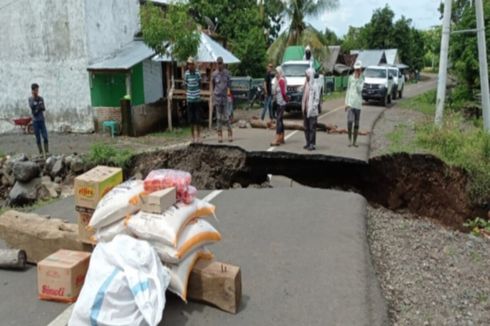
x,y
257,96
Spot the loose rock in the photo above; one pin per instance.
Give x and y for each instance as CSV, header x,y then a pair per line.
x,y
77,165
58,168
25,171
24,193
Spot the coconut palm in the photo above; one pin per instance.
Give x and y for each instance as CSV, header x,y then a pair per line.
x,y
299,32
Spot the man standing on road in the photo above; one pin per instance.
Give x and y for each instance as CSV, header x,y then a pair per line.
x,y
353,102
268,93
309,106
36,103
221,79
193,95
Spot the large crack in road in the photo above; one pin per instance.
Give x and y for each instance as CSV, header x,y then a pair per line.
x,y
421,183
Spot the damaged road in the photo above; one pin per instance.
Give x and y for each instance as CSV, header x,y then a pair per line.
x,y
421,183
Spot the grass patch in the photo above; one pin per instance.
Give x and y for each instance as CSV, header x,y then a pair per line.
x,y
460,142
176,133
104,154
425,103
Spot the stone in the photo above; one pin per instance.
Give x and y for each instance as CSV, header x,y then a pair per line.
x,y
67,160
46,178
39,237
242,124
58,180
49,163
53,189
77,165
24,193
25,171
58,168
236,185
8,180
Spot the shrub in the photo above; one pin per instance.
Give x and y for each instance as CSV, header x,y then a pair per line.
x,y
104,154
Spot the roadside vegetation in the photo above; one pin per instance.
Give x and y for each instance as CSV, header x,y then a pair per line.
x,y
461,141
105,154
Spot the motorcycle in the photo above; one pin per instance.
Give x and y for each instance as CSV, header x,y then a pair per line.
x,y
257,96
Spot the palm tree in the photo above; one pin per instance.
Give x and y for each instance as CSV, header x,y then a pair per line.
x,y
299,32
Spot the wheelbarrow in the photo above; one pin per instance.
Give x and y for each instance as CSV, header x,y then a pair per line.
x,y
25,124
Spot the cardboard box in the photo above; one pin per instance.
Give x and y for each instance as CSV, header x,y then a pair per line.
x,y
159,201
91,186
60,276
84,216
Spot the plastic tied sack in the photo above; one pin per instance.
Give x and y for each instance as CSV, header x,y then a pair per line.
x,y
180,273
125,285
167,178
196,234
166,228
118,203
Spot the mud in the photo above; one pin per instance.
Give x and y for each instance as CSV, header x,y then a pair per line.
x,y
422,184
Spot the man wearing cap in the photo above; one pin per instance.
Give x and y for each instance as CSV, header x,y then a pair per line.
x,y
353,103
192,81
221,80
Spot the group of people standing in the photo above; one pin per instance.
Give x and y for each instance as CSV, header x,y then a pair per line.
x,y
274,92
221,79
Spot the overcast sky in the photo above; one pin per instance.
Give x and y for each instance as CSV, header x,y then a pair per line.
x,y
424,13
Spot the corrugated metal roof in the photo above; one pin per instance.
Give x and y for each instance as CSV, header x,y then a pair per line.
x,y
391,56
370,57
209,50
125,58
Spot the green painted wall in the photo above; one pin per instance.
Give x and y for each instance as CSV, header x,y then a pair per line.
x,y
107,89
137,85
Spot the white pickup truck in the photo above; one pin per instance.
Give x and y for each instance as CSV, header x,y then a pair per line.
x,y
294,71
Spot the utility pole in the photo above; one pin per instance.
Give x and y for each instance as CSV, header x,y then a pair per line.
x,y
441,83
482,58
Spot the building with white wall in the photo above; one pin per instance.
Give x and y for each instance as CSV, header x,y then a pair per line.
x,y
53,43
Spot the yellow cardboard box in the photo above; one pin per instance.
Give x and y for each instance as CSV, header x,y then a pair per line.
x,y
91,186
60,276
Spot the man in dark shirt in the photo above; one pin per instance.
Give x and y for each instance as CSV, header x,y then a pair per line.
x,y
268,93
36,103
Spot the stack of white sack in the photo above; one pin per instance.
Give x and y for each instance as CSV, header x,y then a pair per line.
x,y
178,235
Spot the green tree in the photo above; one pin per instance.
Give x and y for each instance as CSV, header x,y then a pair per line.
x,y
354,39
330,37
241,25
297,10
173,26
299,32
463,52
379,31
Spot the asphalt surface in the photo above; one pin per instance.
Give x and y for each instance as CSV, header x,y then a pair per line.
x,y
254,139
304,259
303,252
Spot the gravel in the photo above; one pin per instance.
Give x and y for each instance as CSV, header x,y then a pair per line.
x,y
430,275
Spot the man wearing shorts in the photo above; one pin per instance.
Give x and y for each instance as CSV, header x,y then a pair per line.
x,y
221,79
192,80
353,103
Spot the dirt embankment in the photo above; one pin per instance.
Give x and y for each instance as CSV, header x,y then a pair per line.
x,y
422,184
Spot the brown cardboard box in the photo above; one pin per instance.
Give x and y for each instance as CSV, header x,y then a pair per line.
x,y
159,201
91,186
84,216
60,276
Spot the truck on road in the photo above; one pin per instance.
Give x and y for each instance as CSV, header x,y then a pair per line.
x,y
378,85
